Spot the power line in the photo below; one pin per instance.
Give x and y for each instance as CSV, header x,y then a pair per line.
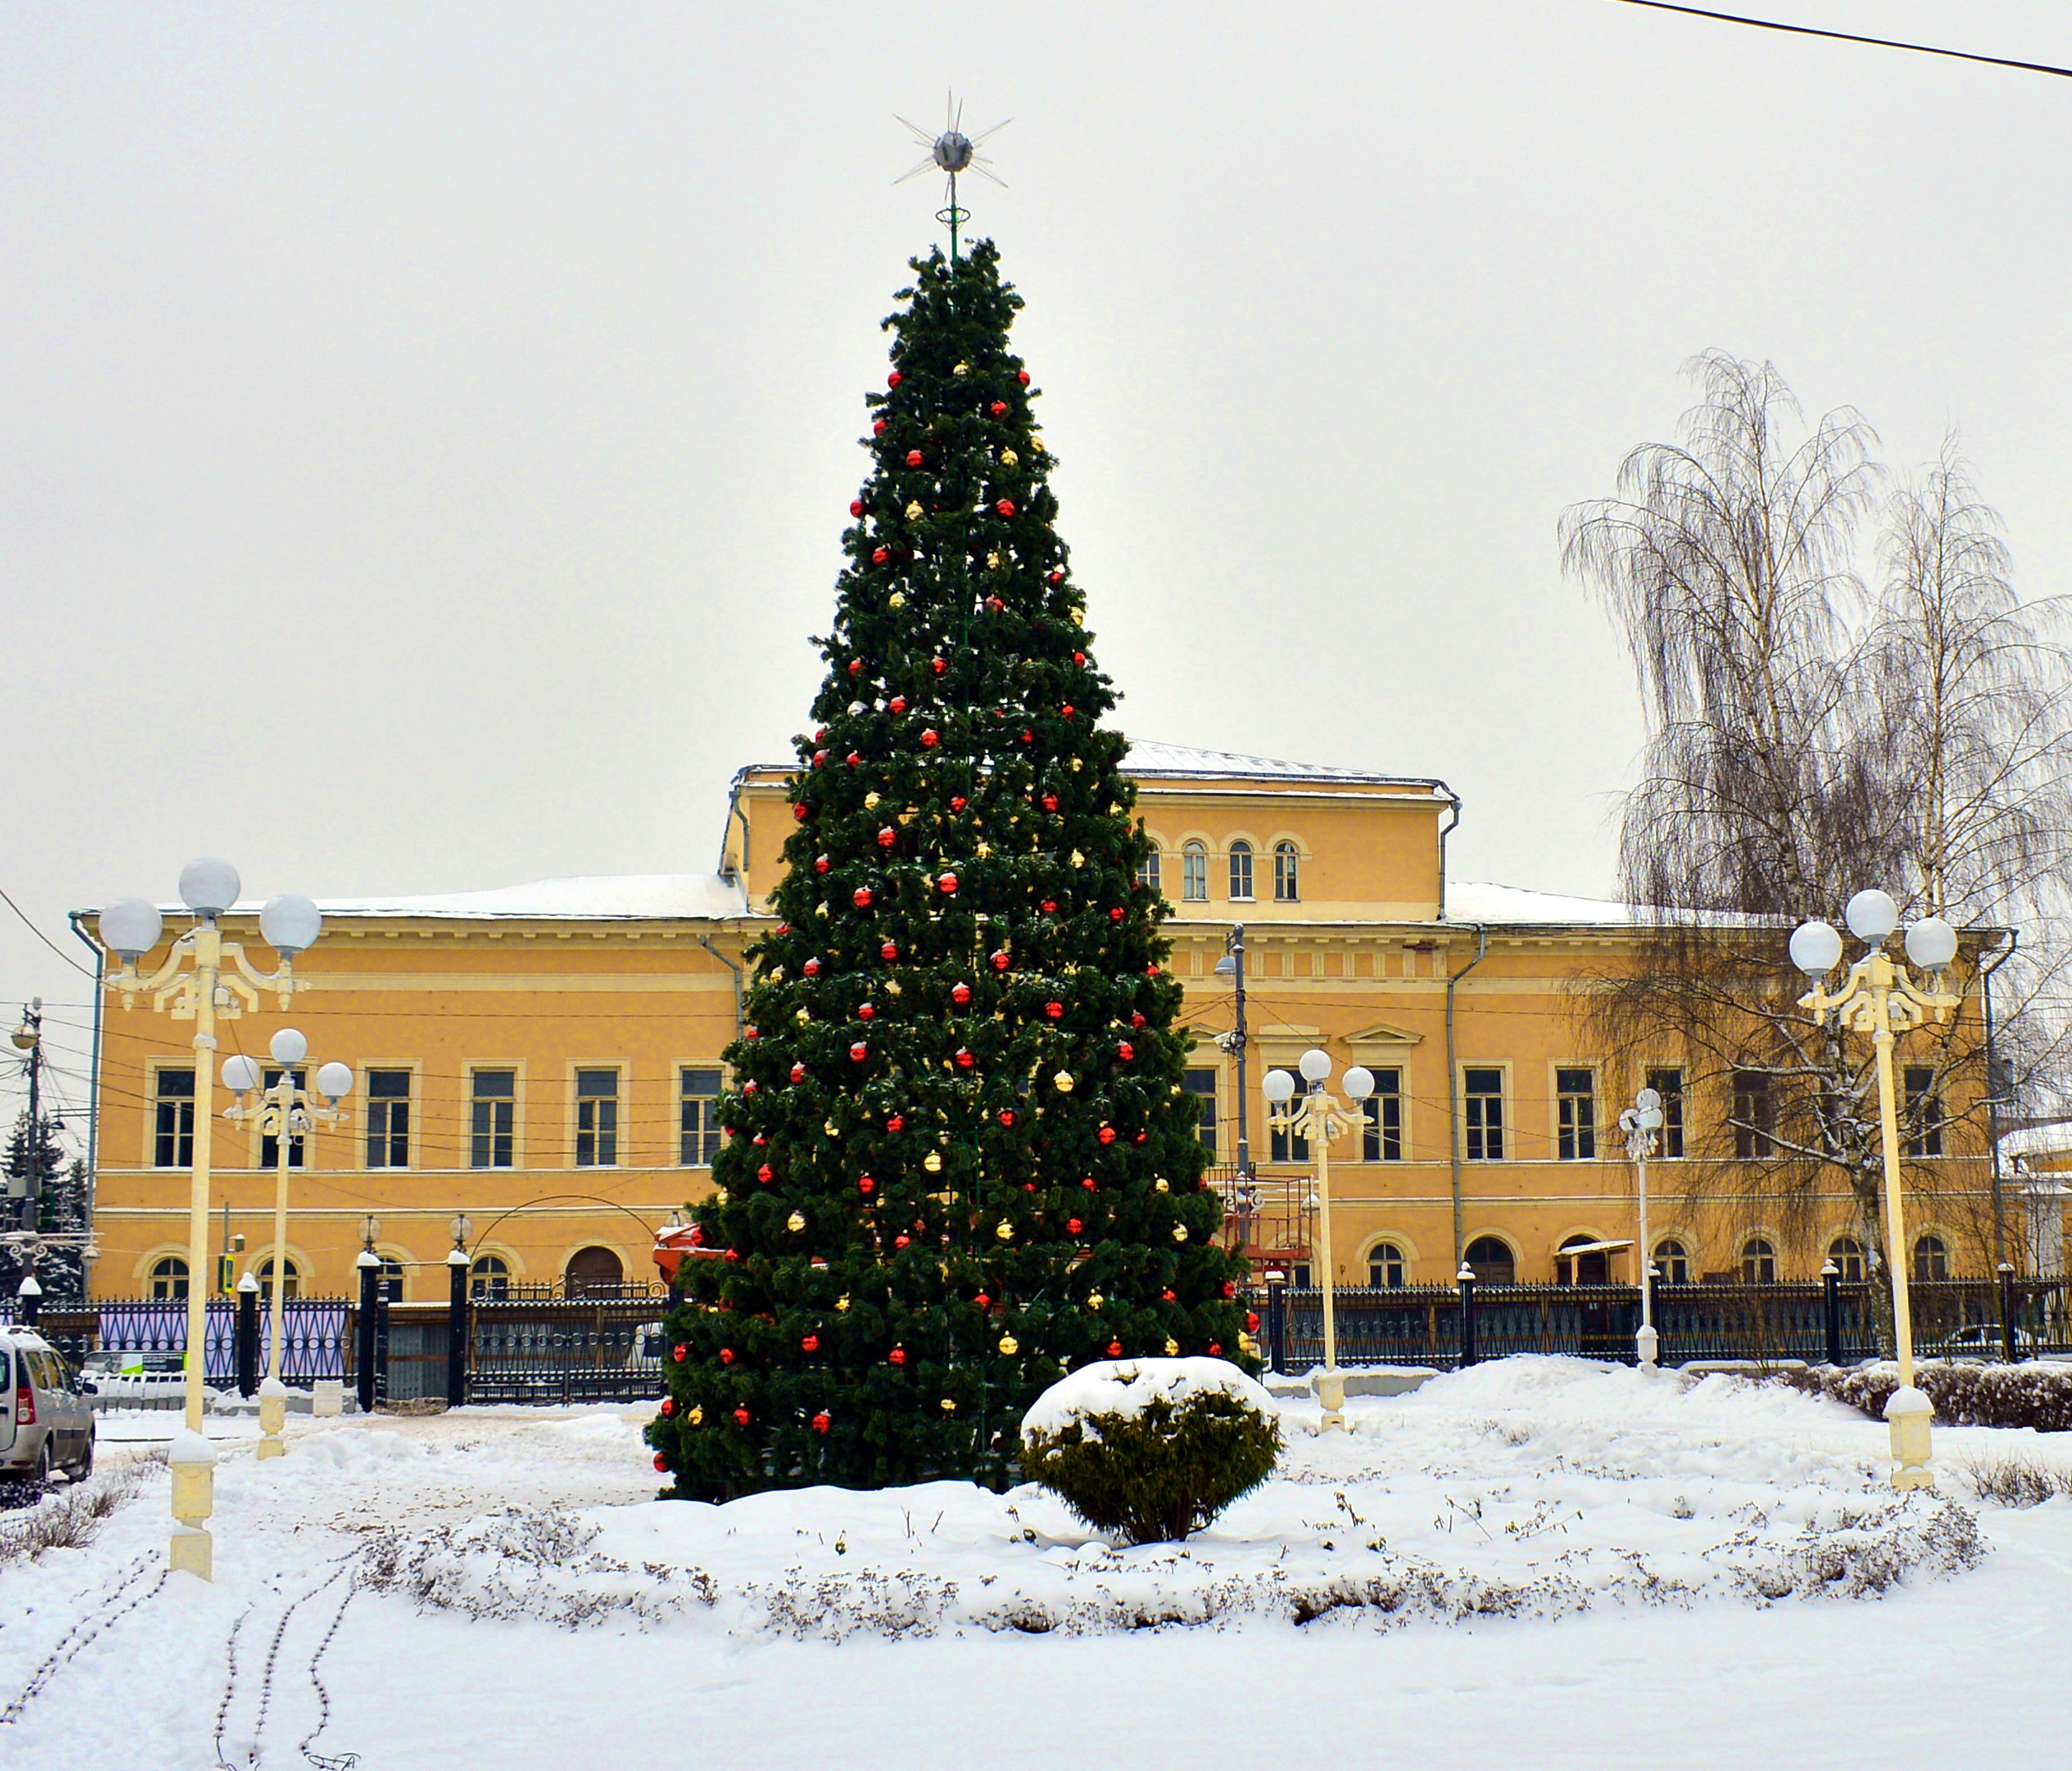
x,y
44,938
1845,36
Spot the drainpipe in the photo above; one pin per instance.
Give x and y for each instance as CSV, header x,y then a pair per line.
x,y
705,941
1453,822
733,811
93,1094
1453,1080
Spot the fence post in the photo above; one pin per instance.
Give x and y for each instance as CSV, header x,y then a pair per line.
x,y
29,1300
247,1344
2007,1312
1466,1278
1277,1320
1831,1287
456,1329
369,1264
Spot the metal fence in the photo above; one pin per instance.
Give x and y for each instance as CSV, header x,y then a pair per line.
x,y
581,1349
1422,1324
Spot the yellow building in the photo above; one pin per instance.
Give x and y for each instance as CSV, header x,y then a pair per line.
x,y
544,1059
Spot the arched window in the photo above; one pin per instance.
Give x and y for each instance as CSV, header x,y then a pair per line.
x,y
1758,1262
1589,1269
1931,1258
1194,874
1148,872
1287,876
1241,869
1386,1269
391,1278
1493,1262
593,1270
489,1276
1847,1254
168,1277
1672,1260
291,1278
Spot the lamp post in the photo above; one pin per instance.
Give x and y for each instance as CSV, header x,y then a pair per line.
x,y
367,1263
1878,998
1232,966
28,1039
1318,1118
458,1265
194,984
1640,1122
284,1113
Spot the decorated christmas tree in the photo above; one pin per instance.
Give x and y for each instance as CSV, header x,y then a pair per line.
x,y
958,1161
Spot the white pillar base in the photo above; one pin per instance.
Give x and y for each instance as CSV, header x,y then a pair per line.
x,y
1649,1343
193,1552
1329,1383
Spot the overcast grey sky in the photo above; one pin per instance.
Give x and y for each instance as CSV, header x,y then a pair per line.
x,y
425,430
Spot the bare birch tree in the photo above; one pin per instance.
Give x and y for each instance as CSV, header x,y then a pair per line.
x,y
1809,736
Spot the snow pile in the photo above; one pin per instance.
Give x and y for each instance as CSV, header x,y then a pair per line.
x,y
1536,1488
1126,1386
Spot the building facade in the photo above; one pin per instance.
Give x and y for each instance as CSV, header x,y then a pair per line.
x,y
544,1060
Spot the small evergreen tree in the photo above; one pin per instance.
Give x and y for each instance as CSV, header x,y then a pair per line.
x,y
35,1150
959,1161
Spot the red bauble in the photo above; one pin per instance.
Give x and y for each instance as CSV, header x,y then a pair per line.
x,y
726,1356
894,378
1065,712
1140,1137
1251,1322
1230,1287
957,802
733,1254
859,1052
1107,1134
947,885
995,604
680,1352
867,1011
698,1236
1215,1349
1005,507
660,1462
1022,376
914,457
1072,1226
1055,1010
1028,736
939,665
879,558
1001,960
668,1406
809,1344
1167,1294
1151,971
1089,1183
1057,577
866,1185
1115,914
821,1422
1115,1349
1126,1051
1050,802
1049,906
878,428
812,968
856,666
751,1032
964,1059
887,837
895,1123
1007,1116
861,898
819,757
798,1072
902,1239
853,760
800,813
1136,1020
983,1301
741,1417
896,1357
889,952
748,1088
897,704
960,994
928,739
999,408
855,507
766,1174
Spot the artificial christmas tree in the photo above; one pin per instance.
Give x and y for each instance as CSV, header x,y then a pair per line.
x,y
958,1157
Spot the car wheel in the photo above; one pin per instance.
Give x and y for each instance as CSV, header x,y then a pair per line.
x,y
84,1467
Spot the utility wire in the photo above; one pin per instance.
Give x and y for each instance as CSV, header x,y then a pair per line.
x,y
1845,36
42,937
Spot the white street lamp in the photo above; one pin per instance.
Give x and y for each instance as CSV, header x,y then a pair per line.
x,y
1318,1118
1641,1122
193,984
285,1114
1878,998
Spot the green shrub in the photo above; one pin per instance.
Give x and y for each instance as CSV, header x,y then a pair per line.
x,y
1160,1467
2037,1393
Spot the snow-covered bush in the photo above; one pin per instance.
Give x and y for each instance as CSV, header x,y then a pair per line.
x,y
2037,1393
1151,1449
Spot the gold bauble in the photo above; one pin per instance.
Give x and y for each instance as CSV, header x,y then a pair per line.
x,y
1009,457
1172,1347
870,802
992,562
897,600
1064,1080
1245,1342
697,1415
831,1129
842,1302
1163,1187
1078,619
803,1018
985,850
913,511
963,368
1094,1300
932,1162
820,910
949,1406
1078,860
1179,1233
1010,1346
795,1222
777,974
720,1195
1006,1232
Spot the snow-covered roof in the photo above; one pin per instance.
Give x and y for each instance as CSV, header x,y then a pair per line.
x,y
1150,760
1478,902
2052,1139
631,897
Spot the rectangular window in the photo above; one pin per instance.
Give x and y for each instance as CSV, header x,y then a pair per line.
x,y
1148,872
491,1118
1201,1084
700,1132
172,1143
1668,1084
1576,1095
1923,1114
270,1147
391,1281
1241,871
1755,1116
597,1119
1194,875
1483,1094
388,1119
1381,1138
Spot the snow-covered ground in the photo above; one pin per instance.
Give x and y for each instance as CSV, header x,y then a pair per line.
x,y
1534,1563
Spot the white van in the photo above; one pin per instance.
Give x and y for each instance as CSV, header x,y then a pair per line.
x,y
46,1421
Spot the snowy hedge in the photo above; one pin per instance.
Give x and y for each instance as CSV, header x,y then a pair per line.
x,y
2035,1394
1151,1449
